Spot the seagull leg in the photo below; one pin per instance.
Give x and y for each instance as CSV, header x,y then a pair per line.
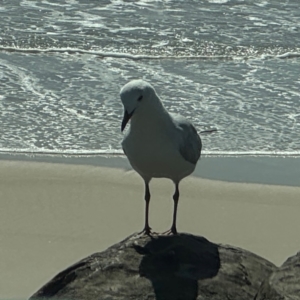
x,y
173,229
176,199
147,228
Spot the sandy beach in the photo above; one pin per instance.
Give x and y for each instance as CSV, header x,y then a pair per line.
x,y
53,214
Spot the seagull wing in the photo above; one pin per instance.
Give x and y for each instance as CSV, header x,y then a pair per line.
x,y
190,144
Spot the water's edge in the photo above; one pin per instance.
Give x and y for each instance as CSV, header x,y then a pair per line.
x,y
242,169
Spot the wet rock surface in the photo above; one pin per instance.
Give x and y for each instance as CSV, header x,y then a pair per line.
x,y
284,282
180,267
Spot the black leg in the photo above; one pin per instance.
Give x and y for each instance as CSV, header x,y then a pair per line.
x,y
175,198
173,229
147,228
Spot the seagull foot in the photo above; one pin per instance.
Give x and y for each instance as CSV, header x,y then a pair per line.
x,y
172,231
147,231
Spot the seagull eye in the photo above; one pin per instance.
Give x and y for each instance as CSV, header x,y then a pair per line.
x,y
140,98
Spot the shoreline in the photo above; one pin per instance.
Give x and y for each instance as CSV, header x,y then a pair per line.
x,y
283,171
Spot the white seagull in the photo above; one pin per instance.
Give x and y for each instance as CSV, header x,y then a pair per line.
x,y
158,144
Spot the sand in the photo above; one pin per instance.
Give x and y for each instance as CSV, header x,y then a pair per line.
x,y
52,215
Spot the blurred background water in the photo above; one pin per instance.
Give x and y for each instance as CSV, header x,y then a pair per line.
x,y
226,64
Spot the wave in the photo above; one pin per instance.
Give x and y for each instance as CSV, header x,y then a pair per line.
x,y
102,54
119,152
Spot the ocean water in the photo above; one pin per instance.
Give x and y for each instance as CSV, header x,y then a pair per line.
x,y
233,65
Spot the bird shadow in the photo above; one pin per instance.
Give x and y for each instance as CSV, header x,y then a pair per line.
x,y
174,264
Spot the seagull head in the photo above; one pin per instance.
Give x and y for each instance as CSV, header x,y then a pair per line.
x,y
137,96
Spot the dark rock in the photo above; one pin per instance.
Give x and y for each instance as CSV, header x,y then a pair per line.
x,y
283,283
181,267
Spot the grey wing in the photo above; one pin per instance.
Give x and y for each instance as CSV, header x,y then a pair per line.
x,y
190,144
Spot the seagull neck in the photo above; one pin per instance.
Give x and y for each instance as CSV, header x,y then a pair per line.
x,y
156,115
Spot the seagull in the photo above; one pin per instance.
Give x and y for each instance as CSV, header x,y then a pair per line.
x,y
158,144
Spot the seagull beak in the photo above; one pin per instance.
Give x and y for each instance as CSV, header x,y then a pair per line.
x,y
126,118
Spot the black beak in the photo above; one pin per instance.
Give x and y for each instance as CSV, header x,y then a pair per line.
x,y
126,118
